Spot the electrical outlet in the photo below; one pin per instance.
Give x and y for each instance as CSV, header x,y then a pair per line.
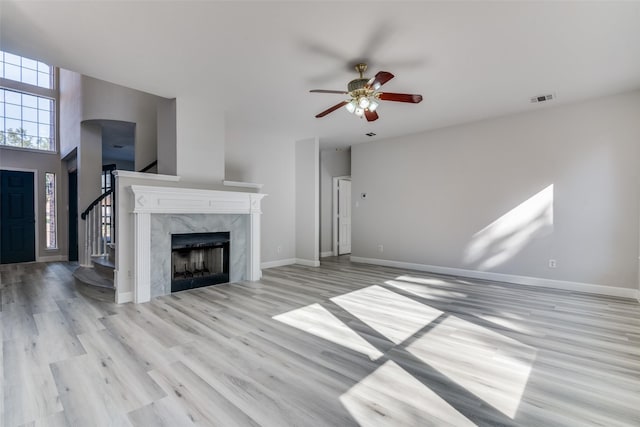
x,y
279,249
552,263
380,248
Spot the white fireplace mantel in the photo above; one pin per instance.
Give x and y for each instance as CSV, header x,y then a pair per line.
x,y
150,200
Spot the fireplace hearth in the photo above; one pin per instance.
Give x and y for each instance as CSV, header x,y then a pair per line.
x,y
199,259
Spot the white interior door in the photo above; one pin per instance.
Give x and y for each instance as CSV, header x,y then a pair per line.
x,y
344,216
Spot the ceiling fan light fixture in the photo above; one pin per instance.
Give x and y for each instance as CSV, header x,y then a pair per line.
x,y
351,106
363,102
359,112
373,105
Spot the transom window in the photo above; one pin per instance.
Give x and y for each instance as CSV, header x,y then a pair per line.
x,y
25,70
27,103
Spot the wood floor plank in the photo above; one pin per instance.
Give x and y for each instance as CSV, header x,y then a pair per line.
x,y
87,396
198,400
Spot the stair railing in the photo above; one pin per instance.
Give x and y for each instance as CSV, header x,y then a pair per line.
x,y
100,216
99,224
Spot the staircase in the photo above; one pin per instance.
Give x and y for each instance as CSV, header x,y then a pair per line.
x,y
100,239
100,245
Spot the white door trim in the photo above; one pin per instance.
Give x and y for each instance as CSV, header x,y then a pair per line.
x,y
334,213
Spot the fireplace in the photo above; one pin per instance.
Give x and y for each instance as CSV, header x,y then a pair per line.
x,y
199,259
160,212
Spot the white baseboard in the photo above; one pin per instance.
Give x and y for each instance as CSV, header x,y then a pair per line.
x,y
307,262
509,278
52,258
278,263
123,297
326,254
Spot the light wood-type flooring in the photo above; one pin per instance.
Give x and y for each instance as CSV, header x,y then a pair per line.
x,y
340,345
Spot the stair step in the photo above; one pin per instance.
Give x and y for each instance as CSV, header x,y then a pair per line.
x,y
89,276
103,266
103,261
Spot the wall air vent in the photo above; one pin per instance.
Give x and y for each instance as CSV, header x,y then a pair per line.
x,y
542,98
370,134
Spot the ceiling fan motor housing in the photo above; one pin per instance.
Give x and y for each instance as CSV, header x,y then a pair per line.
x,y
357,84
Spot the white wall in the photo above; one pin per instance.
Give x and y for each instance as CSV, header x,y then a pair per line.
x,y
268,159
200,129
333,163
450,197
307,202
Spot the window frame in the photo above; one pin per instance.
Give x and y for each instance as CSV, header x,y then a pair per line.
x,y
54,194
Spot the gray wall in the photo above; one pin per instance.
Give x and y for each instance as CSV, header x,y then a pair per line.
x,y
333,163
89,161
70,111
167,137
506,195
84,98
106,101
307,201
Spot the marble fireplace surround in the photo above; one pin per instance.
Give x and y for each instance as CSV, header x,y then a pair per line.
x,y
189,205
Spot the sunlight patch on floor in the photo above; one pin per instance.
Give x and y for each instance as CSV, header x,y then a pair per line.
x,y
512,232
493,367
390,396
318,321
392,315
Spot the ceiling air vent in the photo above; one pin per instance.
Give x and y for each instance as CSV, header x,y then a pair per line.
x,y
542,98
370,134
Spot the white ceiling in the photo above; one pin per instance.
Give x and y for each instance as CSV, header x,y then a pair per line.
x,y
258,60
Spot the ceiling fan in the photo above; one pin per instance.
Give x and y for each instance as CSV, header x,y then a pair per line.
x,y
365,95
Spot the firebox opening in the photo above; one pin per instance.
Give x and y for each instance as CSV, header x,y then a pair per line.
x,y
199,259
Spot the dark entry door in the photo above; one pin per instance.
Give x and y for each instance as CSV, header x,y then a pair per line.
x,y
73,216
17,217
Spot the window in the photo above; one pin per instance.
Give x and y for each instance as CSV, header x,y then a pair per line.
x,y
26,70
27,103
50,210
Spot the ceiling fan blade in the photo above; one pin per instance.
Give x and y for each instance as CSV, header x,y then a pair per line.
x,y
400,97
379,79
332,109
370,115
342,92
